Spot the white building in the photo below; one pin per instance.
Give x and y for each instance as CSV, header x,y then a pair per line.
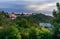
x,y
48,25
12,16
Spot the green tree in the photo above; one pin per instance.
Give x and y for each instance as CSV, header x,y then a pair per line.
x,y
25,32
10,32
22,23
45,33
34,33
41,33
56,22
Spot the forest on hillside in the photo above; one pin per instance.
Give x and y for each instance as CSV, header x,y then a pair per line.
x,y
27,27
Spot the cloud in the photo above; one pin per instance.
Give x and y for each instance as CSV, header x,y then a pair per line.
x,y
8,0
41,7
30,6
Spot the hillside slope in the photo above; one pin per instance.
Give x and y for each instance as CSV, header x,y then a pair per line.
x,y
37,18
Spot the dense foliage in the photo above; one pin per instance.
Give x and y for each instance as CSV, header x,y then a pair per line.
x,y
21,28
56,22
36,18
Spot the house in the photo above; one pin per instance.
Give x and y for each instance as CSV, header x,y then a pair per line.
x,y
46,25
27,14
1,27
12,16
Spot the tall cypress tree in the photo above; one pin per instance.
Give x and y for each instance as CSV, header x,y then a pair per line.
x,y
56,22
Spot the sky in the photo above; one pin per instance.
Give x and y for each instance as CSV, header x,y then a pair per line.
x,y
29,6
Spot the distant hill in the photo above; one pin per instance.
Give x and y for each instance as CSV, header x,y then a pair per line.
x,y
37,18
42,18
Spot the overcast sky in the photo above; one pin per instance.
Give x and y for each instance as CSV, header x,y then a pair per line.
x,y
29,6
